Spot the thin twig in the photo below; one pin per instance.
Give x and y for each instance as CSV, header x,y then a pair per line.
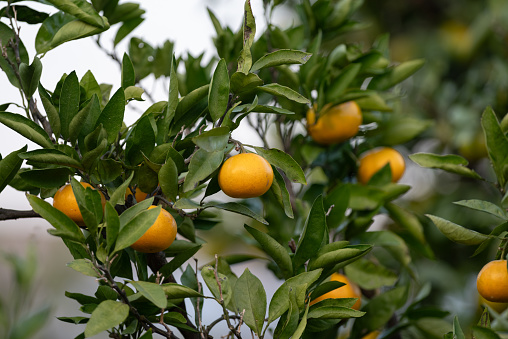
x,y
8,214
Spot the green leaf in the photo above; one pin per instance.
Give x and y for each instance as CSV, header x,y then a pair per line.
x,y
134,93
152,292
64,226
127,27
108,314
31,324
484,206
136,227
250,296
26,128
118,196
218,96
302,325
82,10
370,276
281,57
170,111
179,260
141,141
457,330
450,163
128,75
9,166
237,208
225,291
249,31
90,85
407,220
396,74
340,257
69,102
77,122
285,92
52,114
339,199
89,205
280,191
168,179
111,117
30,76
131,212
176,291
7,33
275,250
213,140
334,312
243,83
497,144
84,266
480,332
51,156
202,164
191,99
283,161
457,233
342,82
112,224
312,235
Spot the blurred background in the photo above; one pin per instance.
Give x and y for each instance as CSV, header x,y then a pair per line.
x,y
464,43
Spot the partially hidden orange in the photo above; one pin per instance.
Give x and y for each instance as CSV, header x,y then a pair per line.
x,y
374,160
349,290
65,201
159,236
139,195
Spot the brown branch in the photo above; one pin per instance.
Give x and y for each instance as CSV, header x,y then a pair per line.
x,y
8,214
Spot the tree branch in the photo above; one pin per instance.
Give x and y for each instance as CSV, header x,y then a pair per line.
x,y
8,214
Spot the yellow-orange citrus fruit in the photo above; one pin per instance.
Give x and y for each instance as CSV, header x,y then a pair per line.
x,y
498,307
372,161
159,236
140,195
65,201
335,124
349,290
371,335
245,175
492,281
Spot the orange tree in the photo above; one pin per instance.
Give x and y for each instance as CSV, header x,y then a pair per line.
x,y
312,221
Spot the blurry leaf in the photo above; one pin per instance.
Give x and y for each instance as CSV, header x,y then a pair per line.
x,y
26,128
30,76
126,28
263,109
281,57
26,14
82,10
339,199
285,162
64,226
342,82
74,320
112,115
6,33
152,292
393,243
450,163
237,208
281,193
398,130
225,291
215,139
395,75
407,220
484,206
275,250
457,330
168,179
202,164
312,235
31,324
128,75
497,144
83,266
136,227
285,92
456,232
108,314
484,333
250,296
9,166
218,96
179,259
249,31
370,276
134,93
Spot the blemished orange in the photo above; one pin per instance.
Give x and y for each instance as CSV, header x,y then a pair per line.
x,y
371,335
335,124
492,281
159,236
139,195
350,290
245,175
374,160
65,201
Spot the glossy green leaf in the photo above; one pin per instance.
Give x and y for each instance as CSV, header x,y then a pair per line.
x,y
169,113
176,291
337,257
108,314
450,163
72,30
51,156
249,31
112,115
179,259
334,312
243,83
370,276
128,75
280,191
238,208
26,128
126,28
89,204
112,224
250,296
47,177
191,99
90,85
336,204
312,235
118,196
275,250
285,162
396,74
84,266
212,281
202,164
152,292
136,227
77,122
9,166
64,226
30,76
281,57
82,10
141,141
457,233
484,206
213,140
218,96
497,144
285,92
52,114
134,93
168,179
69,102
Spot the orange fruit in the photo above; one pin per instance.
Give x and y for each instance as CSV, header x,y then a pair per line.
x,y
335,124
349,290
140,195
159,236
372,161
245,175
65,201
371,335
492,281
498,307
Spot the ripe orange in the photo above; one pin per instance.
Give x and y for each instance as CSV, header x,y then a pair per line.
x,y
492,281
65,201
159,236
371,335
245,175
372,161
140,195
349,290
498,307
335,124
